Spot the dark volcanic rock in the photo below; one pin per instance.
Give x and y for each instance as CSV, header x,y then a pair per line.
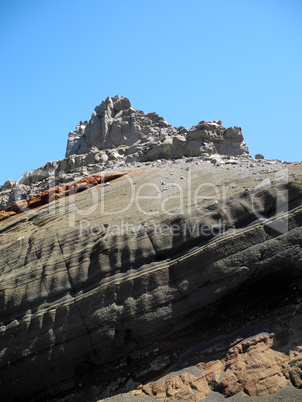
x,y
95,285
181,279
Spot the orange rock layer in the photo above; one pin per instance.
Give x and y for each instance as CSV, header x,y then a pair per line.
x,y
57,192
252,367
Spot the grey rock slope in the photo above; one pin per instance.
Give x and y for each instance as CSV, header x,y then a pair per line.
x,y
93,284
119,135
111,287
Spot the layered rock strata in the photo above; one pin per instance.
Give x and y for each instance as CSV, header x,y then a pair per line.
x,y
93,284
56,193
180,281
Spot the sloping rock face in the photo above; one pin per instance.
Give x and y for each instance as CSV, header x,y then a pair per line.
x,y
119,135
147,136
55,193
113,286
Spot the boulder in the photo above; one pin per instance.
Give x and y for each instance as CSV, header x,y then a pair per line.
x,y
6,214
9,184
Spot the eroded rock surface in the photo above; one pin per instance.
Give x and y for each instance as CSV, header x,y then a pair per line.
x,y
93,284
56,193
181,280
252,367
147,136
119,135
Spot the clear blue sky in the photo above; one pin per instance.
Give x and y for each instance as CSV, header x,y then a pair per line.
x,y
235,60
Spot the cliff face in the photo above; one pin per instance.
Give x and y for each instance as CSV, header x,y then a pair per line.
x,y
175,267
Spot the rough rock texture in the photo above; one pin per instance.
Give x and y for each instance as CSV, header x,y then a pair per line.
x,y
147,136
252,367
117,134
55,193
99,289
182,280
75,167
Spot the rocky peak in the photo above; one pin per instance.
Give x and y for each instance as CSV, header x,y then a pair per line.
x,y
119,135
115,123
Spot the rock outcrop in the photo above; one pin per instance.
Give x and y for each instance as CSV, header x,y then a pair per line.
x,y
56,193
93,284
119,135
179,281
252,367
147,136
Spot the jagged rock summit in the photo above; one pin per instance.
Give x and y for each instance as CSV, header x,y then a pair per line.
x,y
117,135
147,136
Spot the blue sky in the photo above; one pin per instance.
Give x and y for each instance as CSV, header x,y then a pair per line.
x,y
235,60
